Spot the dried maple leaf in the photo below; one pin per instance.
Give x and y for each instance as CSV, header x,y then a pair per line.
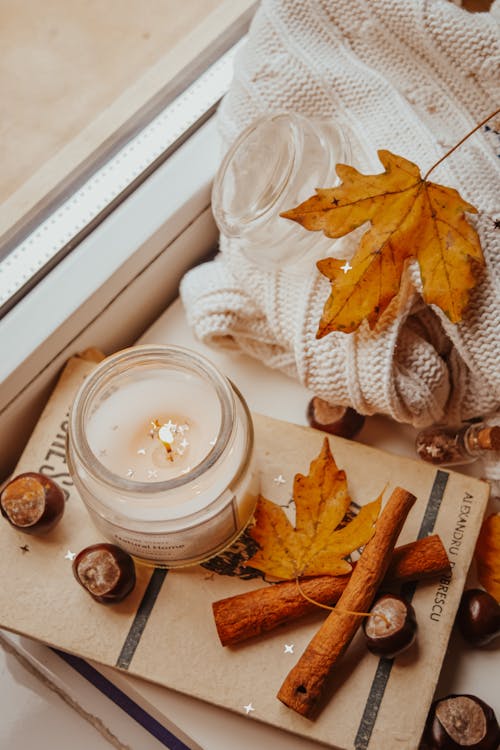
x,y
487,555
315,546
409,218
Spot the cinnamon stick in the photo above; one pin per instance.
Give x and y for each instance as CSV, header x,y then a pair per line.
x,y
303,686
243,616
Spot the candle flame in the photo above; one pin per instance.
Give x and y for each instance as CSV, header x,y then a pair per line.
x,y
168,434
166,437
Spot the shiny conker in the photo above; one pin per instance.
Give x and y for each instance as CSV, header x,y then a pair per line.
x,y
461,721
106,571
478,617
32,503
337,420
393,632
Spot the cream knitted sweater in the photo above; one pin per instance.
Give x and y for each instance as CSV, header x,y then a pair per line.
x,y
412,77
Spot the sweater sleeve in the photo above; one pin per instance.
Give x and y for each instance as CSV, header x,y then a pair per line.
x,y
411,77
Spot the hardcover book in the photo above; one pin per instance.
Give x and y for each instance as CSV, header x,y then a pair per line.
x,y
164,630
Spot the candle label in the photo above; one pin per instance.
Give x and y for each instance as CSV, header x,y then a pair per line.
x,y
199,541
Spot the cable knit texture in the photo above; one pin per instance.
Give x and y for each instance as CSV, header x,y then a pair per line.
x,y
412,77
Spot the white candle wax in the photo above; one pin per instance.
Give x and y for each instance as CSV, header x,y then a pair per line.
x,y
155,428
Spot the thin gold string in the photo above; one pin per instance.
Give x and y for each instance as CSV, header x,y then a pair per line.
x,y
339,610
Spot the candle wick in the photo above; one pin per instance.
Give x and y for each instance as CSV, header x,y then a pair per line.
x,y
166,435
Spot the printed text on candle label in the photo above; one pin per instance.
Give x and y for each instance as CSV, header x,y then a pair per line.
x,y
196,541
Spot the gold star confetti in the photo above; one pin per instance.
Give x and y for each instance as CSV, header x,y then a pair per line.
x,y
433,450
155,426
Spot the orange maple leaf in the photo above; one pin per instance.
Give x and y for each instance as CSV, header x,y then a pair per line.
x,y
409,218
487,555
315,546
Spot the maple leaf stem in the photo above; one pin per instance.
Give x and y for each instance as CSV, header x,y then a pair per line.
x,y
445,156
338,610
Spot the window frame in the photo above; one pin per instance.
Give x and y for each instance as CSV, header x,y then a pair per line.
x,y
110,279
111,287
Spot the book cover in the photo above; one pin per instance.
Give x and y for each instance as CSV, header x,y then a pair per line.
x,y
164,631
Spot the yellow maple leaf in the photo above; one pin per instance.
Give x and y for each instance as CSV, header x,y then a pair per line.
x,y
487,555
316,545
409,217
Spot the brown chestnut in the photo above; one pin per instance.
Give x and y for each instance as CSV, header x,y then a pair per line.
x,y
459,721
106,571
32,502
393,630
337,420
478,617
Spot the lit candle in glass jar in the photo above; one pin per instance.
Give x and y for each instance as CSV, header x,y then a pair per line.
x,y
160,448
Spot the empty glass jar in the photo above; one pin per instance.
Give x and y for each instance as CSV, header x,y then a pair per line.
x,y
275,164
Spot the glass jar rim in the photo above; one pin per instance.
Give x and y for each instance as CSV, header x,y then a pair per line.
x,y
282,168
283,119
106,371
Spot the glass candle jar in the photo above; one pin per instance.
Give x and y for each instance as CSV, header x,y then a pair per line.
x,y
160,448
275,164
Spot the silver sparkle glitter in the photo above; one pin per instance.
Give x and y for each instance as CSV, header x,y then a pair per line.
x,y
346,267
103,452
280,479
152,474
141,452
248,708
288,648
130,473
433,450
184,443
70,555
